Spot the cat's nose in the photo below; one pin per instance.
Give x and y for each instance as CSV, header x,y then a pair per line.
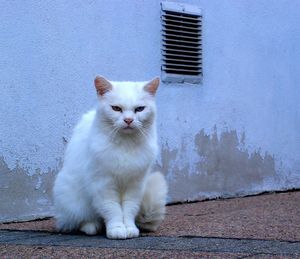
x,y
128,120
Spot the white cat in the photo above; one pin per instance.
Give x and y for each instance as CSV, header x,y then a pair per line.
x,y
106,176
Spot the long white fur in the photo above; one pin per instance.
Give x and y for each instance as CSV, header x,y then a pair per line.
x,y
152,210
106,176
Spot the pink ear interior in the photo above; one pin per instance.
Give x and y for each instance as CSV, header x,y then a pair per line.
x,y
102,85
152,86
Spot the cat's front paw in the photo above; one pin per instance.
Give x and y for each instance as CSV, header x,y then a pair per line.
x,y
132,231
118,232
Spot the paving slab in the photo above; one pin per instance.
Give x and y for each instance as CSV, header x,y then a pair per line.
x,y
161,243
11,251
263,226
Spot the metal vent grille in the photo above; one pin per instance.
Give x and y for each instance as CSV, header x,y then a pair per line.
x,y
181,45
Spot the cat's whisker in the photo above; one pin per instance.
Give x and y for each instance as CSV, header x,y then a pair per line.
x,y
110,129
144,132
114,132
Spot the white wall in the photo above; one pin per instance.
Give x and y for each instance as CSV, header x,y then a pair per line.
x,y
235,134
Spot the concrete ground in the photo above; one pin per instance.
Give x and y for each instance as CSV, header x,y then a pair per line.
x,y
264,226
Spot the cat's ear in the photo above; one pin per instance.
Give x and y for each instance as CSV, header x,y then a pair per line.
x,y
152,86
102,85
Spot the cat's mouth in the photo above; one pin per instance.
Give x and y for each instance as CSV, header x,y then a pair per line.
x,y
128,128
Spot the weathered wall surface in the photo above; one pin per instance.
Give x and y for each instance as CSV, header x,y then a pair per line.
x,y
236,133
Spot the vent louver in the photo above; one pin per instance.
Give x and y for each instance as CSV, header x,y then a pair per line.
x,y
181,44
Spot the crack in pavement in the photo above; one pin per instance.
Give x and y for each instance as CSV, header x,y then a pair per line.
x,y
181,243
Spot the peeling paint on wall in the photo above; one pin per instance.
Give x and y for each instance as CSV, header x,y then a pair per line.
x,y
22,195
225,168
224,161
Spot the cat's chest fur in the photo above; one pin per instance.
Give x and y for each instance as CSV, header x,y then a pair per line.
x,y
122,158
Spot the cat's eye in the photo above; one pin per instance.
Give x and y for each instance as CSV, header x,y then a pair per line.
x,y
139,109
116,108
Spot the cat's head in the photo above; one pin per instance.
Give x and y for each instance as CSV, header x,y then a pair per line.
x,y
127,107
